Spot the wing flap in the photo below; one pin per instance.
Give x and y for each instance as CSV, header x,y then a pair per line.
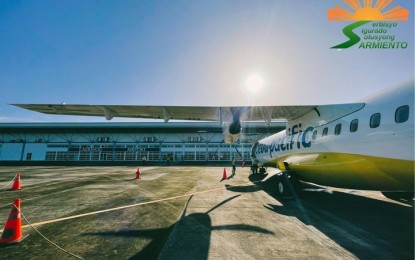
x,y
203,113
109,111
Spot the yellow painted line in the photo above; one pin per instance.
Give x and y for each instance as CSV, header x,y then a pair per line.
x,y
123,207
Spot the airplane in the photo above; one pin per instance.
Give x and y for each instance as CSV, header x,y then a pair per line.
x,y
367,145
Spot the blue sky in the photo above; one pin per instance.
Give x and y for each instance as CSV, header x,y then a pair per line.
x,y
189,52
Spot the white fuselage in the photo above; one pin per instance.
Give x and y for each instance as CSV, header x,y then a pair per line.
x,y
364,147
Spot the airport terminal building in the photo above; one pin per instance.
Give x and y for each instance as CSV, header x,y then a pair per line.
x,y
176,143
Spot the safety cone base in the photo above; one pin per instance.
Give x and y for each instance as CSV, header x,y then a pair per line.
x,y
14,242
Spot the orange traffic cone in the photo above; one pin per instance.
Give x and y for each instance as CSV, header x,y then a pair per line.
x,y
137,174
16,184
12,232
224,174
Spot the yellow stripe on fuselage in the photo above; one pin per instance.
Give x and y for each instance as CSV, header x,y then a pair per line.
x,y
351,171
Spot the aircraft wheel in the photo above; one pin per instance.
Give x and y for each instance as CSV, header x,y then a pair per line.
x,y
289,186
282,186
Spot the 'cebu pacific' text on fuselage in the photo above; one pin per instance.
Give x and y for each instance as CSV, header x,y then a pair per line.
x,y
286,142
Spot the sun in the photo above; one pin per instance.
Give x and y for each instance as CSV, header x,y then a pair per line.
x,y
368,11
254,83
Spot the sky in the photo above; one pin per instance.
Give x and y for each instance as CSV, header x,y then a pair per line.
x,y
187,53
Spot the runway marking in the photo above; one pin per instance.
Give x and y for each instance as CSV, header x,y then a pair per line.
x,y
124,207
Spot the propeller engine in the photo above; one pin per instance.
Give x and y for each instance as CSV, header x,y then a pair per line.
x,y
232,131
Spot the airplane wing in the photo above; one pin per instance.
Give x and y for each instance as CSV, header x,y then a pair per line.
x,y
202,113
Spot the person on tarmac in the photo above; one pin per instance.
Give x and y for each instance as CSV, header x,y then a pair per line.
x,y
234,166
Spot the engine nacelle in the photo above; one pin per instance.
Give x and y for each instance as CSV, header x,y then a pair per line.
x,y
231,132
235,127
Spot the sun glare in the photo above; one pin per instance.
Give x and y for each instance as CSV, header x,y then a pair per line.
x,y
368,11
254,83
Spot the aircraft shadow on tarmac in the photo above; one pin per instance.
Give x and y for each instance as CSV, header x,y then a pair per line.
x,y
189,237
366,227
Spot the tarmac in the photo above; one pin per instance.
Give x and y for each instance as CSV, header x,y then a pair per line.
x,y
192,213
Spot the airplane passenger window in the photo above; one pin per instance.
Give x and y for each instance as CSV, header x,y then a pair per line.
x,y
375,120
354,125
325,131
338,129
314,134
402,114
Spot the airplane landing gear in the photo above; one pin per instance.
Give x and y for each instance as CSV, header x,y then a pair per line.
x,y
288,185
